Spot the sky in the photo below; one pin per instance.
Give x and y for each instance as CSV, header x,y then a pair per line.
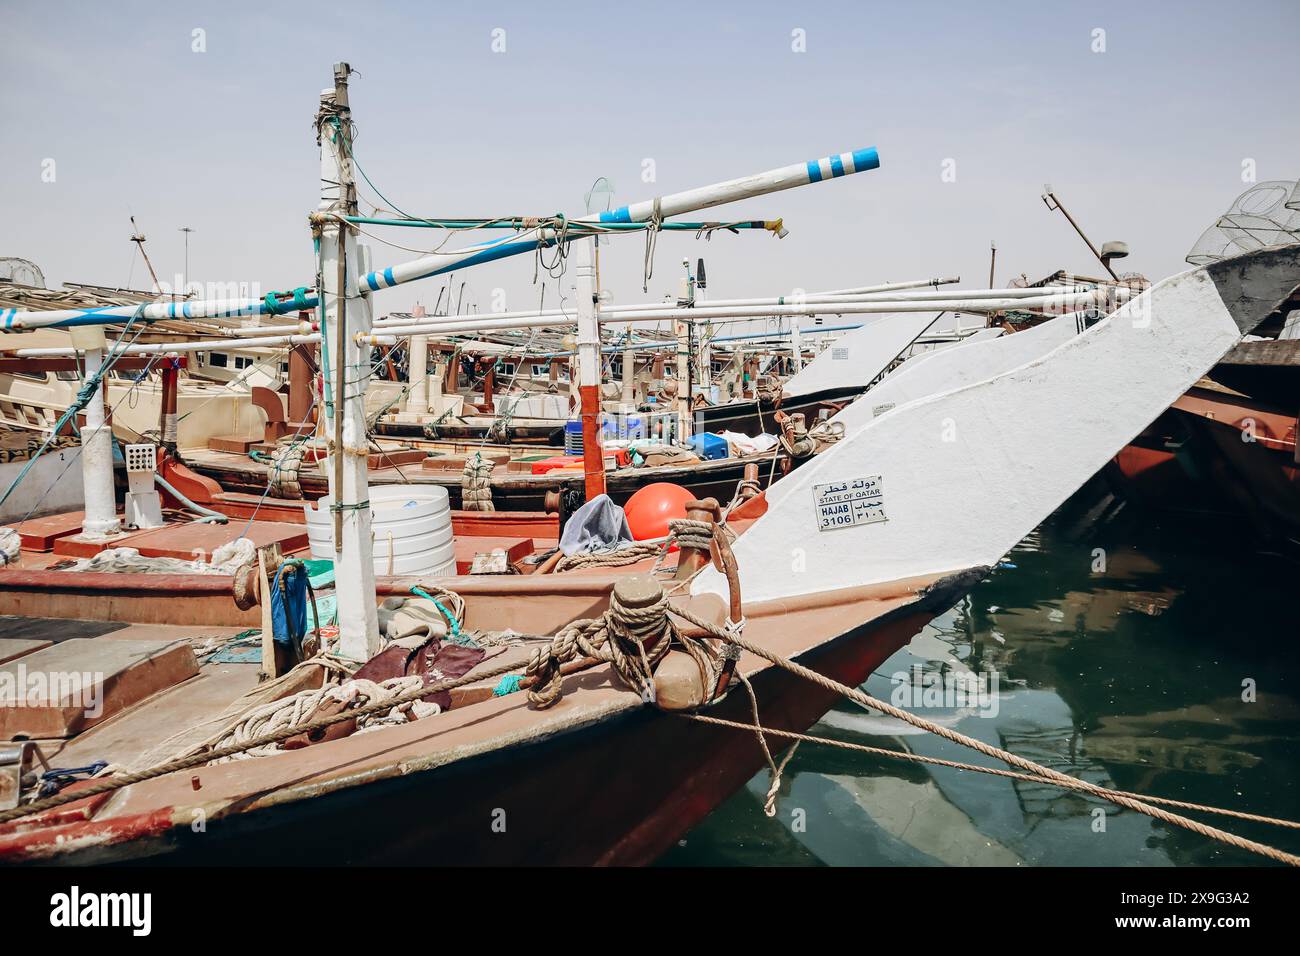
x,y
1147,119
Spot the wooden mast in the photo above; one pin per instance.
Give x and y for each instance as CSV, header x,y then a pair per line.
x,y
593,459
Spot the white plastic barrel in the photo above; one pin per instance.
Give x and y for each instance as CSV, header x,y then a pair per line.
x,y
411,526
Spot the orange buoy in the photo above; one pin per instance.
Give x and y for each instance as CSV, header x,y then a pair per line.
x,y
650,509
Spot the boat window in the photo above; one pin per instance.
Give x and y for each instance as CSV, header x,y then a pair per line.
x,y
218,360
506,368
540,370
242,361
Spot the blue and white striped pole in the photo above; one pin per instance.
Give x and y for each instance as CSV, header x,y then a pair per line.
x,y
15,320
676,204
733,190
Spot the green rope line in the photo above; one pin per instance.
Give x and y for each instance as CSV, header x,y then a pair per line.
x,y
454,626
296,303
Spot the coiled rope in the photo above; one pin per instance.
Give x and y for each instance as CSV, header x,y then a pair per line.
x,y
683,532
689,533
476,484
633,553
618,637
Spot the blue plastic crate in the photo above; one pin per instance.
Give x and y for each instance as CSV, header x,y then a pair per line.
x,y
573,438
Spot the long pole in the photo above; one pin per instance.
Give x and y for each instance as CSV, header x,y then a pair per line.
x,y
185,278
593,458
340,387
171,366
978,300
775,180
101,519
675,204
344,322
386,335
1053,203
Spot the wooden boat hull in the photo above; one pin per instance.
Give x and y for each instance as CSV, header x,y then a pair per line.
x,y
756,416
527,433
747,416
616,791
706,479
1214,469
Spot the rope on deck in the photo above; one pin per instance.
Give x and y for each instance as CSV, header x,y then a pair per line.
x,y
117,782
607,559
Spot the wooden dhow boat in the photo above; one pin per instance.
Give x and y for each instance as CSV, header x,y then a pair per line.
x,y
560,716
833,569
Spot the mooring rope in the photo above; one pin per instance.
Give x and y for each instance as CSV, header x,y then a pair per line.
x,y
619,636
992,771
1047,773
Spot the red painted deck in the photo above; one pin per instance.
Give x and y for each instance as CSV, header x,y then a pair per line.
x,y
39,534
188,539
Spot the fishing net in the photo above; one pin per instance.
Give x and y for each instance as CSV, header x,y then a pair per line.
x,y
1264,215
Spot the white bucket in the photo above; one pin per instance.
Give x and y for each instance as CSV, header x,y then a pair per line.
x,y
410,523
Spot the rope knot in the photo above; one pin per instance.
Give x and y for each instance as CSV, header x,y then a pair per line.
x,y
633,635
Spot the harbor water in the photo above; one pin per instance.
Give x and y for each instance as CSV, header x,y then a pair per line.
x,y
1144,653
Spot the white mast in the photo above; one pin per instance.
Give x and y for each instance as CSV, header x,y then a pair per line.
x,y
347,315
100,520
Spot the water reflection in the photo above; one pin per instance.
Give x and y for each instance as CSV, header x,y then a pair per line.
x,y
1120,652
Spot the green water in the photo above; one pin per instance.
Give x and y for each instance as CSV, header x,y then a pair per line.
x,y
1130,677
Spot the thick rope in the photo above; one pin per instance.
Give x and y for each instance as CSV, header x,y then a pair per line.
x,y
476,484
116,782
976,768
827,432
689,533
629,628
866,700
607,559
774,769
290,711
618,637
285,469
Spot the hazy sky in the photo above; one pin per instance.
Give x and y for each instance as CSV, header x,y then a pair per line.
x,y
1145,141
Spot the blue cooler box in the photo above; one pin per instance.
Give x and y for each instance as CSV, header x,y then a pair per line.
x,y
709,447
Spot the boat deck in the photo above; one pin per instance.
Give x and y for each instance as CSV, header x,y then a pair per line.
x,y
59,536
181,713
